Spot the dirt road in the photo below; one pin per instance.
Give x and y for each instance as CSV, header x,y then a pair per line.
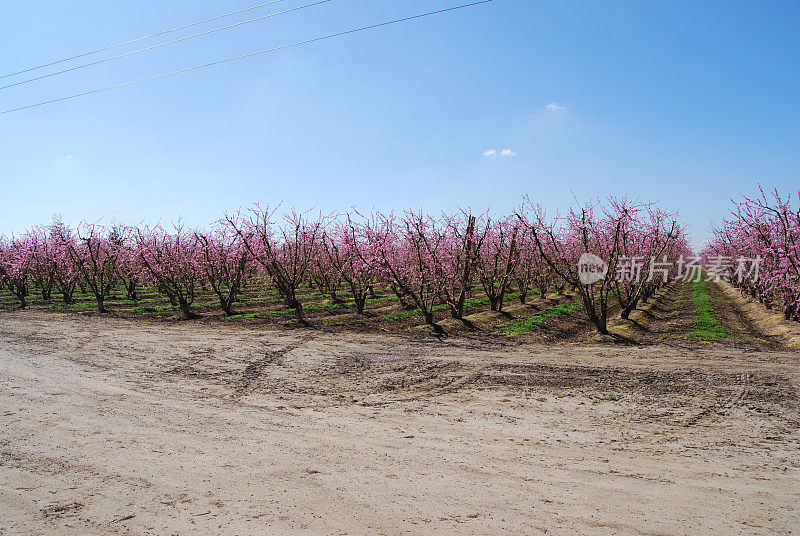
x,y
113,426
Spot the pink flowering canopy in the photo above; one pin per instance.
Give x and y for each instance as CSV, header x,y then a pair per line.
x,y
766,228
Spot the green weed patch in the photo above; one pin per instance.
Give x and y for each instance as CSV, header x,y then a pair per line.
x,y
536,321
469,302
706,326
154,308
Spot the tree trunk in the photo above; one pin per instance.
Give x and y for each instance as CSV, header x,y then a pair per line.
x,y
400,296
457,309
131,290
599,320
226,304
66,294
360,303
294,303
172,300
186,308
523,294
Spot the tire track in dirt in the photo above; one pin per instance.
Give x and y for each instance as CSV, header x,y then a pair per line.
x,y
246,382
720,408
435,386
741,329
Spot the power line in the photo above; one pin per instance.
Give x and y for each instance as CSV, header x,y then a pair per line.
x,y
105,60
117,45
297,43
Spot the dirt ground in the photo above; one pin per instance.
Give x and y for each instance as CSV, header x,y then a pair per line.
x,y
116,426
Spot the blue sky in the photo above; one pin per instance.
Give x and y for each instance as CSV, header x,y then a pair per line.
x,y
685,103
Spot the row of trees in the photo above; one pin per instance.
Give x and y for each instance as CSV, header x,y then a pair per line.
x,y
766,229
424,260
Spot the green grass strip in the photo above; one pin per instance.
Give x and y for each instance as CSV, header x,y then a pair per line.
x,y
537,321
470,302
154,308
337,322
706,326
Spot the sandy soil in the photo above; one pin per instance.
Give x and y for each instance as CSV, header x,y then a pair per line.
x,y
111,426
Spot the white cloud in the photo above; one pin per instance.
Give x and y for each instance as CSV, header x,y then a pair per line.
x,y
65,160
555,108
491,153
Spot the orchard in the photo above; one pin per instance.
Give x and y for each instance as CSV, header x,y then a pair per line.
x,y
421,264
767,227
